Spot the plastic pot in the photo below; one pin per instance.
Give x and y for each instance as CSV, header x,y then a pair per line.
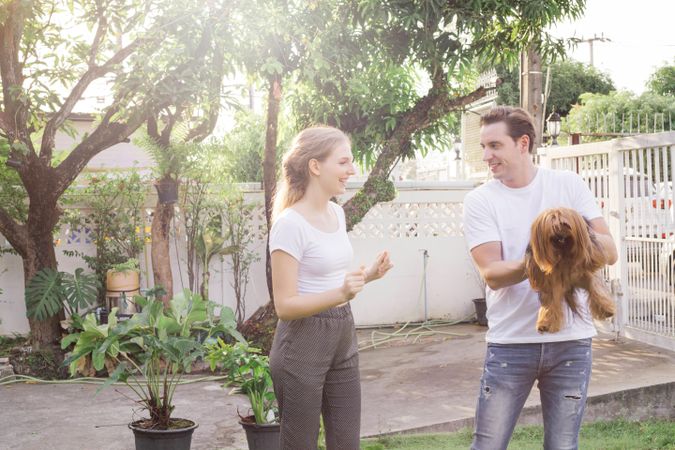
x,y
261,437
174,439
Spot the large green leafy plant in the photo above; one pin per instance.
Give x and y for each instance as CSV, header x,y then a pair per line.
x,y
154,349
248,368
49,291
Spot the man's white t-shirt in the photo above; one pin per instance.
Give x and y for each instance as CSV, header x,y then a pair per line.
x,y
323,257
495,212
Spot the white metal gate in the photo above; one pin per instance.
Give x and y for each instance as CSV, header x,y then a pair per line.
x,y
632,179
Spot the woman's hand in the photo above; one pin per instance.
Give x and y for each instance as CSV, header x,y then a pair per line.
x,y
379,268
353,284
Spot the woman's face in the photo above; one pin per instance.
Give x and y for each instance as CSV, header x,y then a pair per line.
x,y
336,169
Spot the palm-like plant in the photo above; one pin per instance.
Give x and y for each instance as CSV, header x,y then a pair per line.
x,y
209,243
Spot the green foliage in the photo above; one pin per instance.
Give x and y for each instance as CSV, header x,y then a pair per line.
x,y
158,344
239,156
616,434
621,112
248,368
371,69
131,265
49,291
569,79
209,243
240,235
111,208
662,81
171,161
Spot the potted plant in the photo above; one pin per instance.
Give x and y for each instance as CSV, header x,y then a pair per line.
x,y
151,352
250,370
123,282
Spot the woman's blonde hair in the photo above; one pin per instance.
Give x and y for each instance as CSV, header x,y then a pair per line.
x,y
311,143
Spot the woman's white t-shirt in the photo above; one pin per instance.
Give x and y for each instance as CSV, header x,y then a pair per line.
x,y
323,257
495,212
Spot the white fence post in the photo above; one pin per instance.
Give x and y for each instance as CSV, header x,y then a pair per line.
x,y
617,222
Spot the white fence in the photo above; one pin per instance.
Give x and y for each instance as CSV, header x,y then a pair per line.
x,y
632,178
425,216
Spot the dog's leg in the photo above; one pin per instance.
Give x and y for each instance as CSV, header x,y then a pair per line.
x,y
600,302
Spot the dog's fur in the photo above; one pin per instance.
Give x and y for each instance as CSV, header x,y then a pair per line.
x,y
563,255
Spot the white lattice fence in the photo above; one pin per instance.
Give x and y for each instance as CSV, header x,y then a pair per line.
x,y
425,216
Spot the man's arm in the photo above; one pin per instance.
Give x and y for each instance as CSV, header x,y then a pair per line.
x,y
602,234
496,272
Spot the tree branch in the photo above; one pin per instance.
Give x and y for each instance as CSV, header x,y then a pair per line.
x,y
90,75
100,32
432,107
10,70
206,126
14,232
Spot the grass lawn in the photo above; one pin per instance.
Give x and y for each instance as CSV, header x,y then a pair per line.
x,y
615,435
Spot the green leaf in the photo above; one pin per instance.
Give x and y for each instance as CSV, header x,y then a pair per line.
x,y
120,373
98,358
81,290
44,294
66,341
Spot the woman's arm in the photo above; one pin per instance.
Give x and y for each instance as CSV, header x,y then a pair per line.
x,y
290,305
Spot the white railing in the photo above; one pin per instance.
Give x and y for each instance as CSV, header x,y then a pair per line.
x,y
632,178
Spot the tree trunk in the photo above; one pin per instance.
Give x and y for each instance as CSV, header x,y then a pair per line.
x,y
259,328
35,243
45,334
161,258
531,90
270,164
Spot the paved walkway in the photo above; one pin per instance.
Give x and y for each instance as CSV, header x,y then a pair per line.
x,y
431,384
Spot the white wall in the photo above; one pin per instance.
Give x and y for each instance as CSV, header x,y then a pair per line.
x,y
425,215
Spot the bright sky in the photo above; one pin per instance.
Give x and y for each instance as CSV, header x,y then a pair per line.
x,y
642,38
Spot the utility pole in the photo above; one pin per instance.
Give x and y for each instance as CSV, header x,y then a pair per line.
x,y
590,41
531,94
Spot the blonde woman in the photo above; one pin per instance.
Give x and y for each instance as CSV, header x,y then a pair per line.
x,y
314,357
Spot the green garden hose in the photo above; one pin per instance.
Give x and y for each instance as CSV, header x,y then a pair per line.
x,y
12,379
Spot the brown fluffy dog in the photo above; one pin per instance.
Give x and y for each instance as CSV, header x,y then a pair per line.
x,y
563,254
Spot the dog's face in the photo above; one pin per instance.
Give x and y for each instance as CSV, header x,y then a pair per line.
x,y
559,235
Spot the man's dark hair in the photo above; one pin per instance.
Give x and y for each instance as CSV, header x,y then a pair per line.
x,y
518,122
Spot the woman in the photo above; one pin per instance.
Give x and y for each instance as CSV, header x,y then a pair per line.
x,y
314,357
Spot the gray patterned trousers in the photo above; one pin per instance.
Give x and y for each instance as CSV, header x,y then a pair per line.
x,y
315,369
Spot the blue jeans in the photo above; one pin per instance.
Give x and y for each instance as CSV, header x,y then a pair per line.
x,y
563,370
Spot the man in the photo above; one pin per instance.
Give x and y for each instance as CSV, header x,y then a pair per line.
x,y
497,220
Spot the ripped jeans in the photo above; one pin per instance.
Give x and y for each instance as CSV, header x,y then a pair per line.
x,y
562,370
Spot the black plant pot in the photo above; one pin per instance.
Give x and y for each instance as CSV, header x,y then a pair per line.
x,y
261,437
167,191
176,439
481,309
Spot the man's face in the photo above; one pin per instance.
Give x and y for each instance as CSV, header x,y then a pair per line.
x,y
504,156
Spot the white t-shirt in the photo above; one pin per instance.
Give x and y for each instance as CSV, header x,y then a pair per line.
x,y
495,212
323,257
